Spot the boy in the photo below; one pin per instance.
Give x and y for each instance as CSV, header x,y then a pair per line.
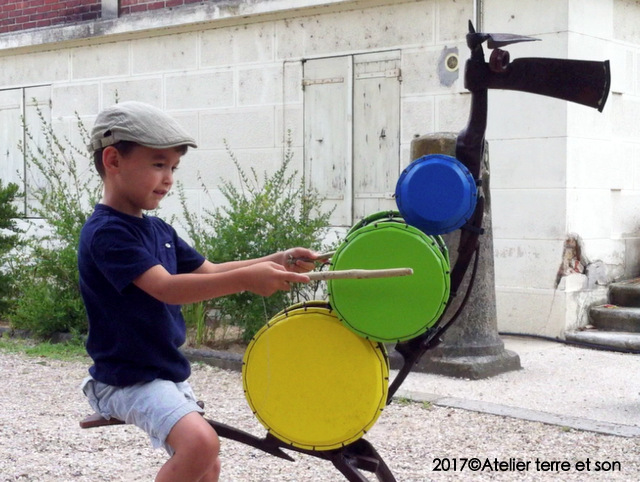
x,y
135,272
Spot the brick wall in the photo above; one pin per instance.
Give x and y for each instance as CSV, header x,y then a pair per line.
x,y
17,15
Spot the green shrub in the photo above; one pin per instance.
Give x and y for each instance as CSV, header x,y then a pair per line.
x,y
9,241
262,216
46,272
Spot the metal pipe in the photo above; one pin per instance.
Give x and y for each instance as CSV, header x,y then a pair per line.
x,y
478,14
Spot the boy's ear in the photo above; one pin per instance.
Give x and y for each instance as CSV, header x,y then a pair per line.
x,y
110,159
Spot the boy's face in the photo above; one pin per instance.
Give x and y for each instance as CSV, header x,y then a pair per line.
x,y
141,179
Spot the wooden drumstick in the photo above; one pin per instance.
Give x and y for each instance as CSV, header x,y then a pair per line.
x,y
359,274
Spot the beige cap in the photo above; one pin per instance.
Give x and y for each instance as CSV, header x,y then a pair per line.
x,y
140,123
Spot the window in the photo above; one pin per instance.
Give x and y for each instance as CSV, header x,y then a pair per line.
x,y
352,132
19,108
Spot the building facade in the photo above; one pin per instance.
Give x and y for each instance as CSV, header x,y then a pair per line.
x,y
351,83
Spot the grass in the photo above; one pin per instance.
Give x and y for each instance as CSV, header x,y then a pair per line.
x,y
426,405
69,351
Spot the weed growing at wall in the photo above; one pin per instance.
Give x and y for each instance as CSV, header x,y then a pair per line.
x,y
9,241
63,190
263,215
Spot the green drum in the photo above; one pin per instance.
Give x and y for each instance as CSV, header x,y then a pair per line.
x,y
390,309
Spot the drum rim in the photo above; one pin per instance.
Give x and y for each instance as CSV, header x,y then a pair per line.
x,y
391,215
394,216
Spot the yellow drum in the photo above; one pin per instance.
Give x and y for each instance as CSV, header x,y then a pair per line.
x,y
311,381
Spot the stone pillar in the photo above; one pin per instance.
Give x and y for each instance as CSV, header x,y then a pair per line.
x,y
471,347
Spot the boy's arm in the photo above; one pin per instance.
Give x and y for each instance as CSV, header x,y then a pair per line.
x,y
262,277
291,260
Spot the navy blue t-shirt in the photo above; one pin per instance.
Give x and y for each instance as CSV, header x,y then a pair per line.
x,y
133,337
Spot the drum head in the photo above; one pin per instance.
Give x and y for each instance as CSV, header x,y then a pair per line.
x,y
313,383
436,193
390,309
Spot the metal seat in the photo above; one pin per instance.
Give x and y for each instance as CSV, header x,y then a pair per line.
x,y
97,420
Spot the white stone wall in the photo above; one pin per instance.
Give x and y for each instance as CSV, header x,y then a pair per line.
x,y
560,168
239,78
555,168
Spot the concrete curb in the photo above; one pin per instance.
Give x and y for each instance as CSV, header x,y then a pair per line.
x,y
220,359
577,423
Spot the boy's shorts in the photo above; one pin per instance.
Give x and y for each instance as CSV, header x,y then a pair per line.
x,y
155,406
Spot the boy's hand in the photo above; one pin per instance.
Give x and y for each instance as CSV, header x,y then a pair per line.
x,y
268,277
299,260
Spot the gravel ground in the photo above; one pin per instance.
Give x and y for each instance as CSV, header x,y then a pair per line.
x,y
556,379
40,440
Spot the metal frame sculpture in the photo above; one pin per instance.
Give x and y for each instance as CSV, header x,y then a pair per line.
x,y
583,82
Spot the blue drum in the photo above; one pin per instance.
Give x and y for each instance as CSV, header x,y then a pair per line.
x,y
436,193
